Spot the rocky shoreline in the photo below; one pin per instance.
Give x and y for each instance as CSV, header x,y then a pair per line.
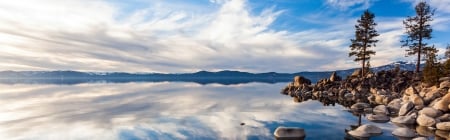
x,y
385,96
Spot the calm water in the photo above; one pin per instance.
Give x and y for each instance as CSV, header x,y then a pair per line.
x,y
174,110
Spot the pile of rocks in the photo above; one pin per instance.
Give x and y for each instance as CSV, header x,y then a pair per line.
x,y
389,95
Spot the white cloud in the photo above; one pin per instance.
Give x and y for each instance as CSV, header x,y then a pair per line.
x,y
349,4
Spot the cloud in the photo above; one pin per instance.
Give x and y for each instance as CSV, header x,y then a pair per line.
x,y
349,4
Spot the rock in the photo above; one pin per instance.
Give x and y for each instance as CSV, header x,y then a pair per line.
x,y
404,132
359,106
394,105
289,132
379,99
432,95
443,134
444,79
334,77
424,120
444,84
443,126
420,138
300,80
366,130
381,109
444,118
417,100
441,105
411,91
408,106
410,119
380,118
424,131
430,112
356,73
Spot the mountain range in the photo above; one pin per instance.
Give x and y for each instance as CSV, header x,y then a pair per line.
x,y
202,77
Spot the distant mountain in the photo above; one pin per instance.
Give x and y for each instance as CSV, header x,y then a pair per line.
x,y
202,77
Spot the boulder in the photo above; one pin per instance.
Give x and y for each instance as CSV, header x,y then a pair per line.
x,y
408,106
366,130
356,73
432,95
443,126
417,100
441,105
359,106
410,119
410,91
424,120
334,77
300,80
420,138
381,109
394,105
289,133
444,118
444,84
380,118
430,112
442,134
404,132
424,131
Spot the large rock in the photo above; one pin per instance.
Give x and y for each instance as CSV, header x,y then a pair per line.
x,y
289,133
380,118
410,119
430,112
441,105
334,77
408,106
417,100
444,118
381,109
411,91
420,138
442,134
366,130
424,120
432,95
394,105
356,73
424,131
444,84
359,106
443,126
300,80
404,132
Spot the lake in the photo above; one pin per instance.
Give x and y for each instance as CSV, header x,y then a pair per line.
x,y
165,110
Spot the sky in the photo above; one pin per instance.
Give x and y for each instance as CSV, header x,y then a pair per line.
x,y
177,36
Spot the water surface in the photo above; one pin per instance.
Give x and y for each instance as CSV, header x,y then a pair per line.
x,y
165,110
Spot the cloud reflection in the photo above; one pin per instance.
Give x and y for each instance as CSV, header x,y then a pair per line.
x,y
159,111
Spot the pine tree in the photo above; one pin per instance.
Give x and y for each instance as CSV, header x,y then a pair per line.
x,y
418,29
446,65
431,71
364,39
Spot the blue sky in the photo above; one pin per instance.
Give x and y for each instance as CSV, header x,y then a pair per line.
x,y
187,36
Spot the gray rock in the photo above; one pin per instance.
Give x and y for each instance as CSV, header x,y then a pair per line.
x,y
366,130
444,118
378,118
408,106
420,138
289,132
410,119
424,120
359,106
381,109
404,132
430,112
443,126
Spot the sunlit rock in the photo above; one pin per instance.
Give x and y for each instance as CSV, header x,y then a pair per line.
x,y
381,109
381,118
410,119
424,120
424,131
430,112
366,130
443,126
408,106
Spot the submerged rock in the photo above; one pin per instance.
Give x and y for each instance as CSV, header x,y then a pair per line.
x,y
289,133
404,132
380,118
366,130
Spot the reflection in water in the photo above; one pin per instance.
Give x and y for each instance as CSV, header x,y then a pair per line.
x,y
163,111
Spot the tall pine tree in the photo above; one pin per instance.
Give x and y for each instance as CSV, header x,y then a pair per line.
x,y
365,34
418,29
